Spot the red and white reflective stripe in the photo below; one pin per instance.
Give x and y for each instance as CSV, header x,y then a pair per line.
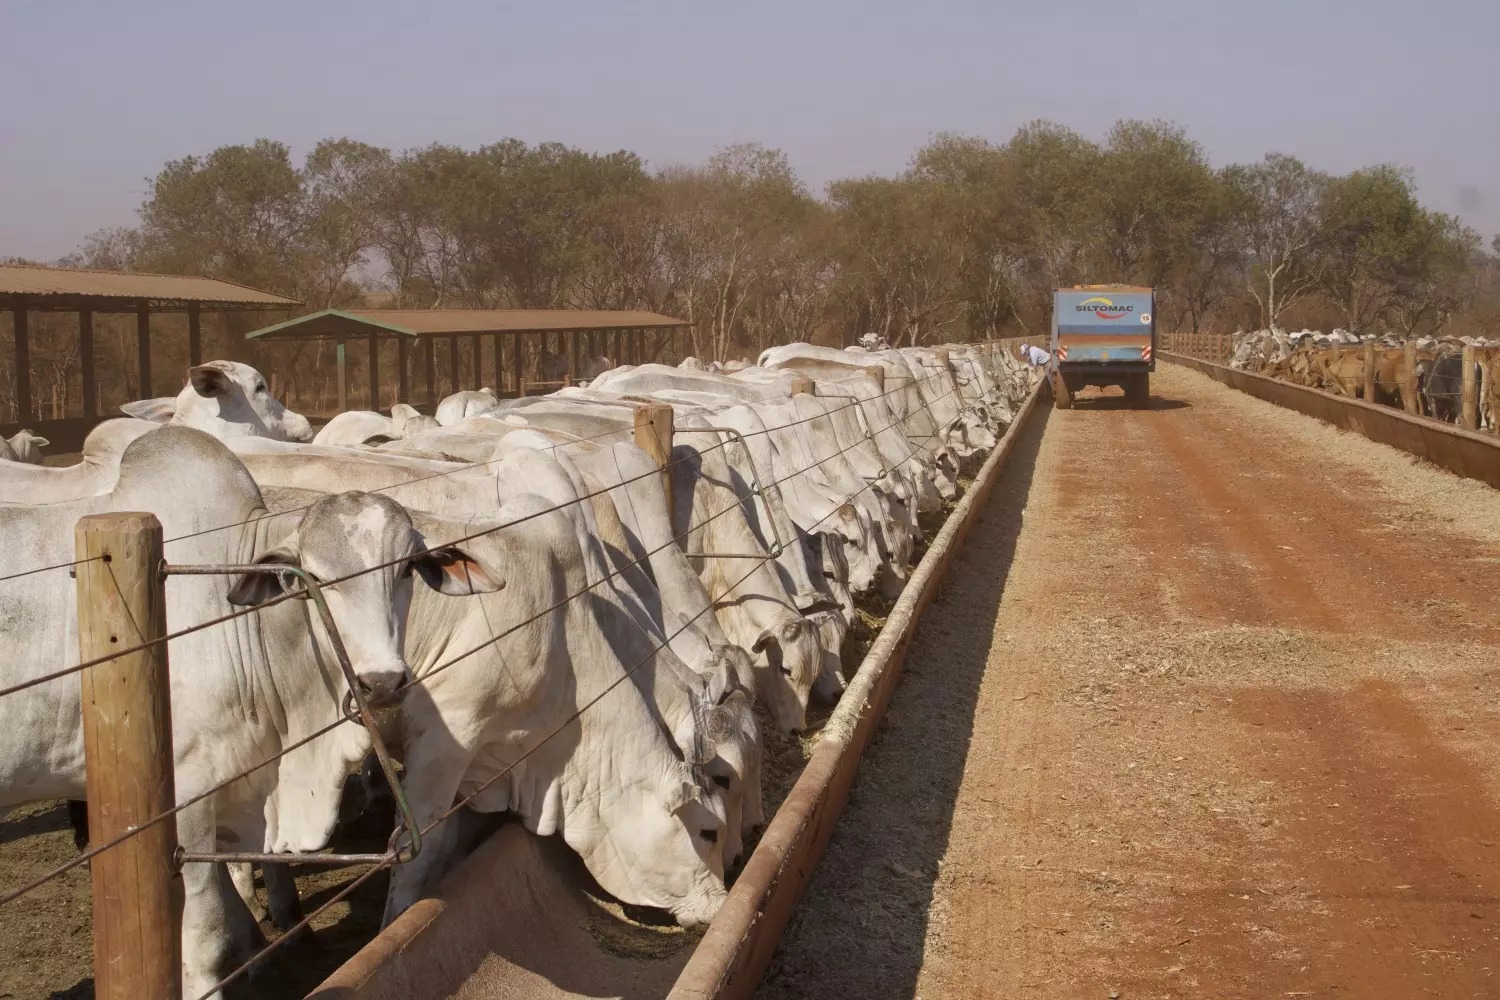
x,y
1062,353
1146,353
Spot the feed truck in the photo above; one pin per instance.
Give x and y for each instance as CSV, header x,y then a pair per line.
x,y
1103,335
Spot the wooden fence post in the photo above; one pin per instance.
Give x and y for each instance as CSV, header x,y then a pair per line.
x,y
804,385
1409,401
1371,365
1469,413
653,435
343,375
127,740
877,372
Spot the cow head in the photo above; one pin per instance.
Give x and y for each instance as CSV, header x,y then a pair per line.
x,y
27,447
364,550
790,658
855,533
237,395
929,500
722,737
226,399
661,844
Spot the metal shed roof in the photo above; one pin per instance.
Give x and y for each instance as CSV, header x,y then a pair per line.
x,y
440,322
47,286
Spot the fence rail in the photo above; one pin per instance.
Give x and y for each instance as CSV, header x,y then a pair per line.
x,y
1215,347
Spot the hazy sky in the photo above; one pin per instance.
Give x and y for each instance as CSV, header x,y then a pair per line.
x,y
96,96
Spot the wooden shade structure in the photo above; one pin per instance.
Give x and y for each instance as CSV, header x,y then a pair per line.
x,y
30,288
624,336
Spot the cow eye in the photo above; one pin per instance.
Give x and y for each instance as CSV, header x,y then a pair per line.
x,y
787,671
260,387
711,836
721,781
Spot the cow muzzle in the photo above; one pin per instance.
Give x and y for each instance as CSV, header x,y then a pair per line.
x,y
383,688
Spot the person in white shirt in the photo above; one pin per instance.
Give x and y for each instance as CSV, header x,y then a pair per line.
x,y
1034,356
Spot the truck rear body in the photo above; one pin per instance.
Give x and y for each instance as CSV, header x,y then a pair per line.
x,y
1104,335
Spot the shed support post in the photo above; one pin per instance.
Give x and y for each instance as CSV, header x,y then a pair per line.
x,y
1409,401
497,370
343,375
86,357
143,348
23,363
403,363
195,335
429,369
452,362
374,372
127,740
574,368
520,364
1370,368
653,435
1469,411
478,347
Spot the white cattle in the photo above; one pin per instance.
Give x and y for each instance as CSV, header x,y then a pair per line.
x,y
462,492
701,686
468,403
884,420
95,472
521,704
357,427
226,399
23,446
243,691
752,602
961,425
366,427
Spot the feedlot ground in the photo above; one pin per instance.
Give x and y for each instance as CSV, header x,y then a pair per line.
x,y
1213,717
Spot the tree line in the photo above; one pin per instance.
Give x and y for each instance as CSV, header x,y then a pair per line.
x,y
967,242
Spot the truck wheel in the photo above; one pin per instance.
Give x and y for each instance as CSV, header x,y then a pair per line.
x,y
1138,391
1062,393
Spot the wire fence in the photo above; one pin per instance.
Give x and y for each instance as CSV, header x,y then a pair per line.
x,y
355,709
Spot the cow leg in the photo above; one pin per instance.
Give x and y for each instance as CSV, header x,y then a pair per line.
x,y
433,774
78,817
218,932
285,903
242,874
409,882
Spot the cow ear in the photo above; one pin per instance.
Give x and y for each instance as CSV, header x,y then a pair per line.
x,y
40,442
258,588
720,681
679,795
452,571
767,637
210,382
158,411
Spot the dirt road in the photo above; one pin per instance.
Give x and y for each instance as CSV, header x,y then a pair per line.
x,y
1208,710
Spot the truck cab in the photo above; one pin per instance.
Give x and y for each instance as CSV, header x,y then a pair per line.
x,y
1103,335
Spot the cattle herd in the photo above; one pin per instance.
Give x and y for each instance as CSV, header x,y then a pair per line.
x,y
1429,381
556,623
